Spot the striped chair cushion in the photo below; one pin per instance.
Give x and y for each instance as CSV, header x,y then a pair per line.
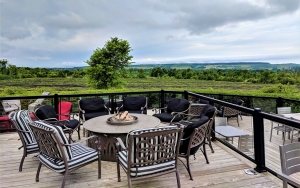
x,y
81,155
22,118
62,137
147,168
32,147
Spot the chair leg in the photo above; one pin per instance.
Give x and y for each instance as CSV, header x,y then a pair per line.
x,y
271,131
209,144
204,152
65,178
22,161
118,168
283,137
129,180
188,167
237,119
99,166
78,130
37,177
178,179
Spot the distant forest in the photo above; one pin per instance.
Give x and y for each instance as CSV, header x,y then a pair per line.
x,y
233,72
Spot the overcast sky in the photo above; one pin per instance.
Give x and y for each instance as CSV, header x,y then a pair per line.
x,y
50,33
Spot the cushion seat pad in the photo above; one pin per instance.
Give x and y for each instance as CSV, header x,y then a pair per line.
x,y
167,117
81,155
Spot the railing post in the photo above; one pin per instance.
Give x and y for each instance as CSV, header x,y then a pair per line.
x,y
162,99
56,102
259,141
279,103
186,95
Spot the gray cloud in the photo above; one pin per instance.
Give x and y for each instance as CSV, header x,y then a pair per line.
x,y
34,31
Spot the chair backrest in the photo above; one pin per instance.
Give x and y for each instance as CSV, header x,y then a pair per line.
x,y
50,140
198,136
196,108
21,120
227,111
177,105
284,110
155,145
92,104
134,103
194,134
64,110
208,111
237,101
45,112
246,143
290,158
220,121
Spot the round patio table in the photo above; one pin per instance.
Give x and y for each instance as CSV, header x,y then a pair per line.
x,y
108,132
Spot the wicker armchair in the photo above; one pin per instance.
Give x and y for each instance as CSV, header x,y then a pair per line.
x,y
20,120
58,155
149,152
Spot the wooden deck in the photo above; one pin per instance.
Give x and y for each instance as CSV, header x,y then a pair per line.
x,y
226,168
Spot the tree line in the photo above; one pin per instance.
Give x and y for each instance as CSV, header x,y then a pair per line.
x,y
8,71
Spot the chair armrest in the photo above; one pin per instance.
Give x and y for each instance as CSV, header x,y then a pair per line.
x,y
156,110
120,143
119,108
289,179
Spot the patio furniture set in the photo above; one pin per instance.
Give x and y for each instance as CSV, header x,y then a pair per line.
x,y
146,148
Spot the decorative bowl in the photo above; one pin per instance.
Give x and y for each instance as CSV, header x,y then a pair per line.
x,y
114,121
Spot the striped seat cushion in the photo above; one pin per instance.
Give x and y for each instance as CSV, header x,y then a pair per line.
x,y
61,136
146,169
81,155
22,118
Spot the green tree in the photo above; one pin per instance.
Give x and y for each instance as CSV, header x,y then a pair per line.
x,y
105,64
3,66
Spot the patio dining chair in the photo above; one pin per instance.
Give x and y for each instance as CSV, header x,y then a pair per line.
x,y
194,136
48,114
90,108
173,110
281,128
136,105
57,154
149,152
196,112
290,163
20,120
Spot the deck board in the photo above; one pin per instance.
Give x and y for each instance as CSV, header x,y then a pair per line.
x,y
226,168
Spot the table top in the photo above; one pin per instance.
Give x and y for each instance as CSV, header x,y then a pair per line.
x,y
230,131
99,124
293,115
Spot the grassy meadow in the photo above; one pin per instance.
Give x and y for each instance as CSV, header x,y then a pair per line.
x,y
35,86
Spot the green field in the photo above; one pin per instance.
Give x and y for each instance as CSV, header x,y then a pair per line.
x,y
35,86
